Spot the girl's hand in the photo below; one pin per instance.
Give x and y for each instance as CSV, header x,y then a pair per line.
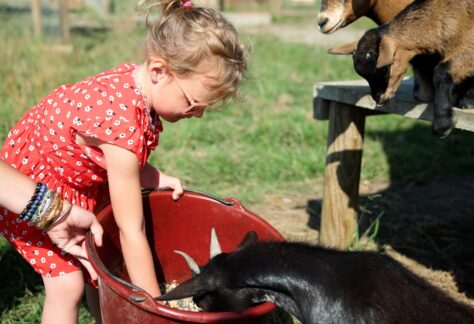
x,y
173,183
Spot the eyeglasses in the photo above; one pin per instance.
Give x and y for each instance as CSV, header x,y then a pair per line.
x,y
194,107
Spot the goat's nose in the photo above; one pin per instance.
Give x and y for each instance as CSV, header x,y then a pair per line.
x,y
322,21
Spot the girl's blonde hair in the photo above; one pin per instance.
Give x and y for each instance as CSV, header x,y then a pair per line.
x,y
197,40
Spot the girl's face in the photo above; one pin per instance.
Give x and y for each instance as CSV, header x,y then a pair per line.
x,y
174,98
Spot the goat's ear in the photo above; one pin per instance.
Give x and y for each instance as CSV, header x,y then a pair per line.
x,y
194,286
250,238
345,49
387,49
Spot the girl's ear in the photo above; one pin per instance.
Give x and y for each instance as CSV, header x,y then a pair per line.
x,y
157,69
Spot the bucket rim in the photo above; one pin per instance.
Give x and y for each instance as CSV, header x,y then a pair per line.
x,y
141,299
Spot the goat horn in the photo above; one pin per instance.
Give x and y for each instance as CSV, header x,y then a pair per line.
x,y
191,263
215,246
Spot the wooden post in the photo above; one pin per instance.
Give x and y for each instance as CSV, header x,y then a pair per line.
x,y
64,20
106,7
342,175
277,8
36,15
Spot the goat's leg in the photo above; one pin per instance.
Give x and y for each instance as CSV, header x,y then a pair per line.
x,y
423,66
443,101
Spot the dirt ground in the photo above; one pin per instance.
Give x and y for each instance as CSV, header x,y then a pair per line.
x,y
428,227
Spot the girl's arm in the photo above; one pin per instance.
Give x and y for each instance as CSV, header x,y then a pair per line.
x,y
125,193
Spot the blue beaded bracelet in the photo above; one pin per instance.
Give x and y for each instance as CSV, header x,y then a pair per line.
x,y
34,202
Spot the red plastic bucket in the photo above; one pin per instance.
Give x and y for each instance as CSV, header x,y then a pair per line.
x,y
183,225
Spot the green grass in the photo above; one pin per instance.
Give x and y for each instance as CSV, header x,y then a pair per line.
x,y
266,143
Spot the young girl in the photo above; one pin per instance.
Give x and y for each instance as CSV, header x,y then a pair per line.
x,y
101,130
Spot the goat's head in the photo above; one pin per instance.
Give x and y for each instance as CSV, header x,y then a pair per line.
x,y
379,60
212,286
335,14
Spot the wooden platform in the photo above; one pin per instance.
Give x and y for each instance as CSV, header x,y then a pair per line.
x,y
346,104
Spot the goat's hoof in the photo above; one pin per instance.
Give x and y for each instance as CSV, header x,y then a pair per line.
x,y
442,129
466,103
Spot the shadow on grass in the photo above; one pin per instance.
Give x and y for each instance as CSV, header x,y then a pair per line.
x,y
17,279
428,209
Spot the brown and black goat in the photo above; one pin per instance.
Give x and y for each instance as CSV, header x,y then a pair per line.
x,y
318,285
336,14
440,28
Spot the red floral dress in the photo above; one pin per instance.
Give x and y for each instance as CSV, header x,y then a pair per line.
x,y
43,145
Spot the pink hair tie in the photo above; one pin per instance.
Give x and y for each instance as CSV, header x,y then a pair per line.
x,y
187,4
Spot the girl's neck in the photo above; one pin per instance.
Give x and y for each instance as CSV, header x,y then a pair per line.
x,y
140,78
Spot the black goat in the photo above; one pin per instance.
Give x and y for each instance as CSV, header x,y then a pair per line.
x,y
319,285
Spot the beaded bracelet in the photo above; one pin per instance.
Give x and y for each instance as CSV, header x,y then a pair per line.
x,y
35,201
46,208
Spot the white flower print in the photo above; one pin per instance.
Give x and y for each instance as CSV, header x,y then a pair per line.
x,y
60,125
110,112
119,95
53,266
126,85
108,131
122,135
43,260
131,128
32,261
50,253
117,123
99,102
36,252
88,108
87,96
40,244
123,107
130,142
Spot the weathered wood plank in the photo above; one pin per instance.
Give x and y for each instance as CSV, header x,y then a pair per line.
x,y
342,173
357,93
